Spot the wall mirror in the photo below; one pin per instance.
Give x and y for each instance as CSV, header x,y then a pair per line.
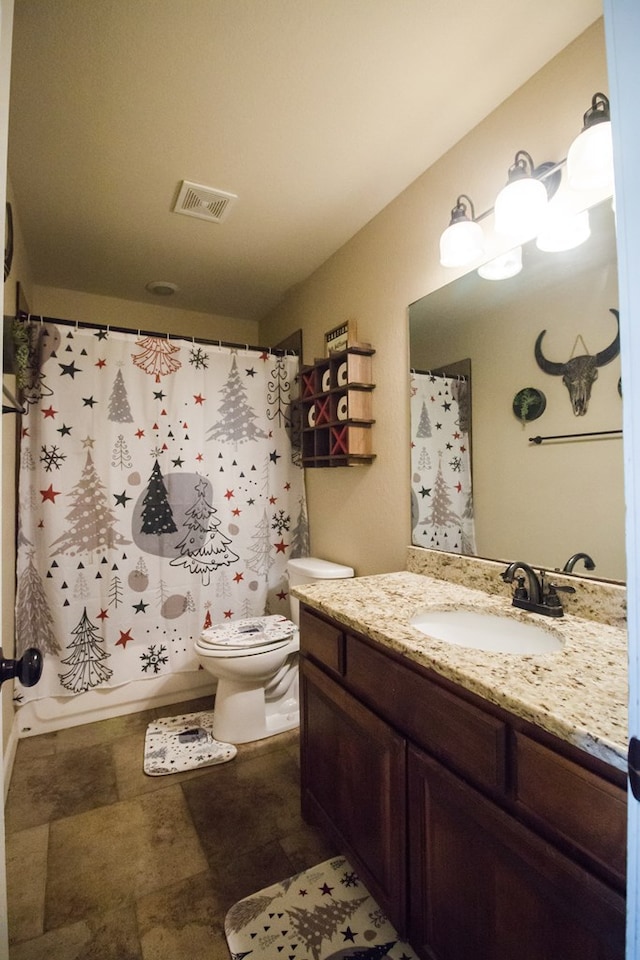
x,y
537,502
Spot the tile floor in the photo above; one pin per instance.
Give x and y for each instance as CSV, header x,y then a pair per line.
x,y
106,863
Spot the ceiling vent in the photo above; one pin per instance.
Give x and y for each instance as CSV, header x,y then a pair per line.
x,y
205,203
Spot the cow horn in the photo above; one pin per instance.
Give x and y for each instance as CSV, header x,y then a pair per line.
x,y
548,366
612,351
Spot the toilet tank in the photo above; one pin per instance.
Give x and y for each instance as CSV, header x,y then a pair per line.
x,y
309,569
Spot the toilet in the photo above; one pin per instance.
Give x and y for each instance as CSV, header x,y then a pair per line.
x,y
255,661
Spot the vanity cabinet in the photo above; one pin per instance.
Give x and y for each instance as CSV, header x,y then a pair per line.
x,y
479,835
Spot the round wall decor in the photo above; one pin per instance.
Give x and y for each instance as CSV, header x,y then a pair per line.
x,y
529,404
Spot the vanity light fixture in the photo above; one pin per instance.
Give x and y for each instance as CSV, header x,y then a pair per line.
x,y
521,205
463,240
522,210
503,267
590,157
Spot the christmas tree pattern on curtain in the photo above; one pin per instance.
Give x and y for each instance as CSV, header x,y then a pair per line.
x,y
441,495
157,495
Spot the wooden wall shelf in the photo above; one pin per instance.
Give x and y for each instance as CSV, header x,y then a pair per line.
x,y
336,407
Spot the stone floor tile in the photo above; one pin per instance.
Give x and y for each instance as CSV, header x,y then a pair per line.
x,y
30,748
105,857
102,731
306,847
250,871
26,857
112,935
238,807
281,741
49,787
184,920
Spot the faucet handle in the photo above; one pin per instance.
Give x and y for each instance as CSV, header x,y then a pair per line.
x,y
551,598
520,592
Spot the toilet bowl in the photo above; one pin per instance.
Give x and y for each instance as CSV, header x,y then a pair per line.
x,y
255,661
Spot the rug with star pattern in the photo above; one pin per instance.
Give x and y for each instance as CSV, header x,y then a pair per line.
x,y
176,744
324,913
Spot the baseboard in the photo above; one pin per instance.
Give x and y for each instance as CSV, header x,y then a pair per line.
x,y
10,754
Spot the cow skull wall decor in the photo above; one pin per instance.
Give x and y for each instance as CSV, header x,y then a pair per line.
x,y
579,373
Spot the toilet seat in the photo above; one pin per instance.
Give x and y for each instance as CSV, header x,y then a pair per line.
x,y
246,637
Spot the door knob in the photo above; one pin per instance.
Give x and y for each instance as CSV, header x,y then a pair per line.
x,y
28,669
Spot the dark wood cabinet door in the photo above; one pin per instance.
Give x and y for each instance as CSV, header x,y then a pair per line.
x,y
354,786
484,887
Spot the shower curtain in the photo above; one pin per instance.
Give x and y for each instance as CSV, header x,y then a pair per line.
x,y
441,496
157,496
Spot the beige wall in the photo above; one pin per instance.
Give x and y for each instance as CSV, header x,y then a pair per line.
x,y
134,315
361,516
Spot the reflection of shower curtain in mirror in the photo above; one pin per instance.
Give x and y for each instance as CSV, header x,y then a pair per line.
x,y
441,498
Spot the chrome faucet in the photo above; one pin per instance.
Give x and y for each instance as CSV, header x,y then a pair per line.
x,y
571,562
536,596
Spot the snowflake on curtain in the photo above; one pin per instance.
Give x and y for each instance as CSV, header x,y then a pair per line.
x,y
281,521
198,358
51,457
153,659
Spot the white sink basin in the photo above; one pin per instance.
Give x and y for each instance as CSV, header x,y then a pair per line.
x,y
486,631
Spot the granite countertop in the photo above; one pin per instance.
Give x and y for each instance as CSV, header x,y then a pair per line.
x,y
578,693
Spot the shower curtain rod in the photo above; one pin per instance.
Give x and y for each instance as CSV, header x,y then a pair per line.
x,y
428,373
86,324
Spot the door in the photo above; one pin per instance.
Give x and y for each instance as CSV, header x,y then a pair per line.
x,y
622,29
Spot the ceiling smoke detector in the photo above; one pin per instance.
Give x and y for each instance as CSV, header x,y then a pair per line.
x,y
162,288
205,203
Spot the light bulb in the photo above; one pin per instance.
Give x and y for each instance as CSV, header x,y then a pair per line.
x,y
590,159
461,243
520,208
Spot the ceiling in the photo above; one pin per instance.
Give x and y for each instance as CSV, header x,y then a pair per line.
x,y
315,113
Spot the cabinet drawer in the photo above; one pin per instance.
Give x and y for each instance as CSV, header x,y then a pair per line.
x,y
322,641
576,804
467,739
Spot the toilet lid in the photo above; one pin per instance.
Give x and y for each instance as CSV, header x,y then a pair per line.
x,y
248,633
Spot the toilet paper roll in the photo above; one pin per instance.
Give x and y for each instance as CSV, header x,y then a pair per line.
x,y
326,381
342,374
311,416
342,410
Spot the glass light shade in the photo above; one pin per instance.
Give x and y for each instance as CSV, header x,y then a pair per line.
x,y
590,159
520,208
563,231
503,267
461,243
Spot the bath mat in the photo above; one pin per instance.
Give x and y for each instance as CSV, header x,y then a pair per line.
x,y
325,913
175,744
